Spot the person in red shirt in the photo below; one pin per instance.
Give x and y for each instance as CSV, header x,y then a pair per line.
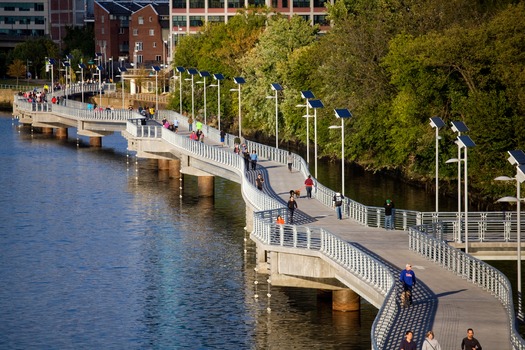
x,y
309,183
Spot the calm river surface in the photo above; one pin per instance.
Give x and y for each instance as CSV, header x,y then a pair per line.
x,y
99,253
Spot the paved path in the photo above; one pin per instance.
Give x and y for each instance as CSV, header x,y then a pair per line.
x,y
443,302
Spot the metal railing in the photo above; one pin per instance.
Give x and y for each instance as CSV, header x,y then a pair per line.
x,y
424,240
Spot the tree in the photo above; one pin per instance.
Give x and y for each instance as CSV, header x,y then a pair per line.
x,y
17,69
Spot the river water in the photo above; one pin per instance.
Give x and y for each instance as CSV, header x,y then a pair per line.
x,y
97,251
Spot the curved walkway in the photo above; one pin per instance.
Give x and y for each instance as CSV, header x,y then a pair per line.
x,y
443,301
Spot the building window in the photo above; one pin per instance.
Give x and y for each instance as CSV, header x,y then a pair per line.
x,y
140,59
39,7
256,3
179,21
216,4
141,20
101,19
39,20
152,32
301,3
135,32
158,58
102,31
321,20
179,4
319,3
150,19
196,21
121,30
154,44
235,4
196,4
139,45
216,19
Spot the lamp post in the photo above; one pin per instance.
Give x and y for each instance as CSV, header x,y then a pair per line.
x,y
218,77
458,127
342,114
204,74
517,158
100,69
239,81
466,142
111,67
315,104
122,70
180,70
82,66
437,123
192,72
156,69
307,94
52,64
276,87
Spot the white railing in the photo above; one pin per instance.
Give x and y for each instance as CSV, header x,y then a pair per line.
x,y
422,240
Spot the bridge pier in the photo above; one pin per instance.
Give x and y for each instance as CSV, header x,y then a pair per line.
x,y
95,141
61,133
47,131
174,168
163,164
345,300
206,186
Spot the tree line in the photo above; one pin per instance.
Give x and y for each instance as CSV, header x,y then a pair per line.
x,y
394,64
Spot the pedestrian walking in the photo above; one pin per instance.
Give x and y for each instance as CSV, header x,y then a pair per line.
x,y
337,203
247,160
309,184
190,124
289,160
280,220
407,343
469,342
259,181
292,205
389,209
223,136
198,125
408,278
430,343
254,159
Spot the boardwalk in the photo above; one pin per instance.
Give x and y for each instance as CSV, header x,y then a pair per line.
x,y
443,302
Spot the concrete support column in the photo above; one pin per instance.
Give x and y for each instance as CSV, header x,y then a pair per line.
x,y
163,164
206,186
345,300
61,133
249,218
47,131
95,141
174,168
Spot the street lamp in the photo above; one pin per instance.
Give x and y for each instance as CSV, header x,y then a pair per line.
x,y
192,72
100,69
156,69
458,127
111,67
180,70
517,158
466,142
342,114
307,94
52,62
218,77
204,74
239,81
82,66
276,87
315,104
122,70
437,123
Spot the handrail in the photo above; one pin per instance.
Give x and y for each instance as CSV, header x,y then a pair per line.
x,y
423,240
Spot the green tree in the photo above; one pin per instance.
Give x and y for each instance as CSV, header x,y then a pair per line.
x,y
17,69
80,38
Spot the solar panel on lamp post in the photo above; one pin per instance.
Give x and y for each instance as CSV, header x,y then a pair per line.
x,y
122,69
82,66
517,158
437,123
458,127
218,77
180,70
315,104
466,142
192,72
239,81
204,74
276,87
342,114
307,95
156,69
